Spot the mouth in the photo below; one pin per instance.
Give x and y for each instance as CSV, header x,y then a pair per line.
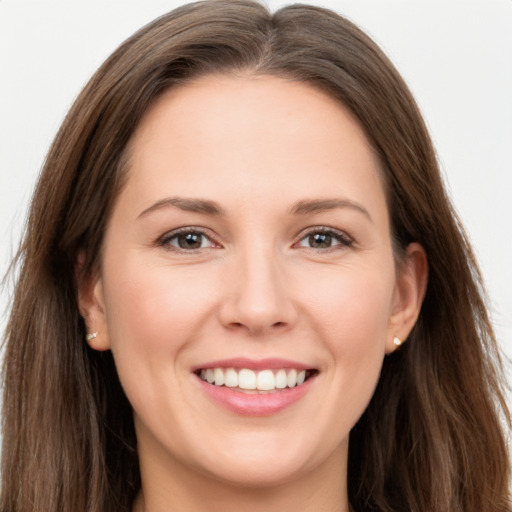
x,y
255,387
264,381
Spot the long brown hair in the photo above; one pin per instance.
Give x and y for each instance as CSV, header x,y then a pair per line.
x,y
432,438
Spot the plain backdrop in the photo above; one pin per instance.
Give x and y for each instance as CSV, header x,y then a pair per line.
x,y
456,55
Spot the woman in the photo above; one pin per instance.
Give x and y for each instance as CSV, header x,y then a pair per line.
x,y
243,287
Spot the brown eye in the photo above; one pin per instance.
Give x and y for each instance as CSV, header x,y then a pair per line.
x,y
325,239
320,240
187,241
190,241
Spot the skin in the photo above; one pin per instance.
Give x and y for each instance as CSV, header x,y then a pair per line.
x,y
257,287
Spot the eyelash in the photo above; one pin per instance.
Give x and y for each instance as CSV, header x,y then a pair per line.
x,y
344,240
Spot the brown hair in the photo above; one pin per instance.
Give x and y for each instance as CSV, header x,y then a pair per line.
x,y
431,437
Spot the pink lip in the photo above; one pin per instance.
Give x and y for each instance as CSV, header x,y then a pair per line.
x,y
255,404
246,404
252,364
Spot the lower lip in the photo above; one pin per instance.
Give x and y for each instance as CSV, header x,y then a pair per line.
x,y
249,404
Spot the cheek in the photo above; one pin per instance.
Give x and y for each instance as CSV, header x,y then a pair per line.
x,y
352,303
357,346
351,309
155,306
154,315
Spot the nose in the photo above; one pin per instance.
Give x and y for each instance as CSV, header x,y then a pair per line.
x,y
259,298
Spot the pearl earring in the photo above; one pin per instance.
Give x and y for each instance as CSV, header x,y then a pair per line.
x,y
91,336
397,341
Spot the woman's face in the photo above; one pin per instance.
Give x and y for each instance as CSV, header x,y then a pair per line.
x,y
251,244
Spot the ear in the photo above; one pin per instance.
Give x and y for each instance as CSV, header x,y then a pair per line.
x,y
92,306
411,285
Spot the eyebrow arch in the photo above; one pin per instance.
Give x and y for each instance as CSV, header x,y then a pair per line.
x,y
189,205
321,205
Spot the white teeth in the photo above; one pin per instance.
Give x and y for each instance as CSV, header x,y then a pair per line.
x,y
219,376
281,379
264,380
231,378
292,378
246,379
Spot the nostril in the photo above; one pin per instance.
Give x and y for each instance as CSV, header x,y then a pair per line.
x,y
236,325
255,328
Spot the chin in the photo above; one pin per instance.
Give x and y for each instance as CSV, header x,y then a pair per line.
x,y
266,463
269,474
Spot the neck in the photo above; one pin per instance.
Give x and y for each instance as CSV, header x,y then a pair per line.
x,y
249,500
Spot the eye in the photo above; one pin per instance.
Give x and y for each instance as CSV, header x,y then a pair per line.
x,y
187,239
325,239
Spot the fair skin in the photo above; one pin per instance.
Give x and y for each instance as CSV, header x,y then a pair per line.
x,y
283,261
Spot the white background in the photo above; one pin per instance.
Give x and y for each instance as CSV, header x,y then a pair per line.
x,y
456,56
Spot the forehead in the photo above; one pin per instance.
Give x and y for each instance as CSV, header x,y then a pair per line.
x,y
255,104
222,135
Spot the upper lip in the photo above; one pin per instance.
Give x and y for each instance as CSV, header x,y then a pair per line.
x,y
253,364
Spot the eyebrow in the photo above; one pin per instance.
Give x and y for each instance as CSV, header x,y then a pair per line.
x,y
207,207
321,205
203,206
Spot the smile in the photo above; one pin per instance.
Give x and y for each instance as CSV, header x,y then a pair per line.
x,y
255,387
245,380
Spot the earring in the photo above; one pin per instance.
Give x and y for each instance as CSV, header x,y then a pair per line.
x,y
397,341
90,336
